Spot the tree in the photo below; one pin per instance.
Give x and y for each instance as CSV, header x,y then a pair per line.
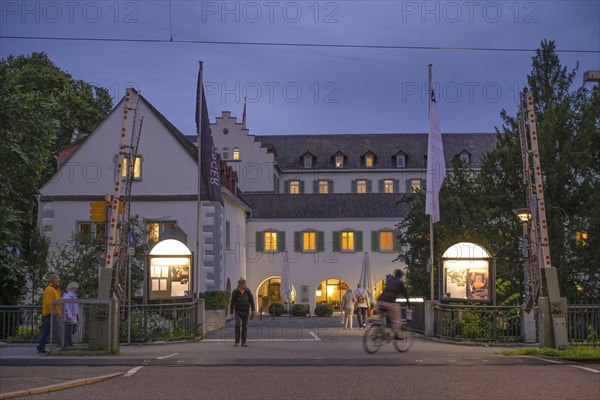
x,y
480,207
40,106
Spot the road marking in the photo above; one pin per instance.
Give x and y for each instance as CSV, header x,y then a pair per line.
x,y
586,368
547,360
169,356
263,340
133,371
317,339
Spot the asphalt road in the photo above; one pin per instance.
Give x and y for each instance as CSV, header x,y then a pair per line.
x,y
296,359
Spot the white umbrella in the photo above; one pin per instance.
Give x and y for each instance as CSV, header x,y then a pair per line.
x,y
286,281
366,279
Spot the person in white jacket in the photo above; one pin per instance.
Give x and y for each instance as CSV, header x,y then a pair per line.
x,y
348,308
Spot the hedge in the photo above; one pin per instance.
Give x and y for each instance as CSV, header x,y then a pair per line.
x,y
216,300
276,309
299,310
324,310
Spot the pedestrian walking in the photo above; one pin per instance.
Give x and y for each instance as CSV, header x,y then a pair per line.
x,y
242,303
362,305
348,308
49,311
71,313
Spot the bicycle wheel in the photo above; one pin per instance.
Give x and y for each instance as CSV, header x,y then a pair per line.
x,y
408,337
373,338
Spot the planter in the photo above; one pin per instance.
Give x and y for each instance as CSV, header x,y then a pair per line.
x,y
370,312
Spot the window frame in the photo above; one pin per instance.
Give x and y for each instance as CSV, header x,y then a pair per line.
x,y
323,184
311,235
339,164
93,230
398,158
136,163
235,154
389,233
412,185
369,159
272,243
359,185
348,234
385,186
294,186
161,228
307,161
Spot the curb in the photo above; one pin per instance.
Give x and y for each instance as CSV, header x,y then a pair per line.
x,y
59,386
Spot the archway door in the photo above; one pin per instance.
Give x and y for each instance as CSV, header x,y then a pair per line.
x,y
330,291
269,292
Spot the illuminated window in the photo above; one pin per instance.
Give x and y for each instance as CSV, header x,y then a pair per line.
x,y
347,241
323,187
137,168
369,161
236,153
157,228
294,187
270,241
388,186
339,161
361,186
386,241
400,161
96,230
415,185
581,238
309,241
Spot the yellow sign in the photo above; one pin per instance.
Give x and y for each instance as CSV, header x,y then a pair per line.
x,y
98,211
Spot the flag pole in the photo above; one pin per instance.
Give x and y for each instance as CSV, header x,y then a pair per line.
x,y
199,106
432,275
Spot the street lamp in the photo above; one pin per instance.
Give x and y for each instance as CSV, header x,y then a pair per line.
x,y
528,324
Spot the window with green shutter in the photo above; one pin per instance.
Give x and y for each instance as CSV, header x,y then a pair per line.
x,y
335,240
260,242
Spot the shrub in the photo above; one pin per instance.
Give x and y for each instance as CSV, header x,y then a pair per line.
x,y
299,310
216,300
324,310
276,309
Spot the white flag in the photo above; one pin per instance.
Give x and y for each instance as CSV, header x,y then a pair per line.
x,y
436,165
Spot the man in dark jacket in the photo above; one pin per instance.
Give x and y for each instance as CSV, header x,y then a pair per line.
x,y
387,300
243,303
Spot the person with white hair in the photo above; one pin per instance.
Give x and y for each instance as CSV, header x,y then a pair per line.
x,y
71,313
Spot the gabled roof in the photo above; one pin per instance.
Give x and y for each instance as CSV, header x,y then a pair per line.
x,y
384,145
335,205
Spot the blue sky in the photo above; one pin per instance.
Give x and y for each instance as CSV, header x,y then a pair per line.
x,y
311,90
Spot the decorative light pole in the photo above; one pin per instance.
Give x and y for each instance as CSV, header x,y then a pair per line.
x,y
528,322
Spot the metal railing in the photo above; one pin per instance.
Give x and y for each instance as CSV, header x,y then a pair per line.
x,y
148,322
584,323
471,323
20,324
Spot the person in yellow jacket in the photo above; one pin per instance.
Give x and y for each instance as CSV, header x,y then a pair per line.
x,y
51,293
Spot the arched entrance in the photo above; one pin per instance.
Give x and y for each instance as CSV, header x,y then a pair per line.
x,y
330,291
269,292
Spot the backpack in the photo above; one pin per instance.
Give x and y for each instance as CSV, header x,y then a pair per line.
x,y
362,298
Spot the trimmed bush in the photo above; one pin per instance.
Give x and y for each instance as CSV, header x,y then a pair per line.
x,y
216,300
299,310
324,310
276,309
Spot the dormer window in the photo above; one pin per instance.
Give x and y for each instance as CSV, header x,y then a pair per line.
x,y
369,159
339,161
307,160
401,161
465,157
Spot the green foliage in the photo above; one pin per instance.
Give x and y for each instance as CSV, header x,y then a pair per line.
x,y
41,106
299,310
324,310
477,206
216,300
276,309
571,352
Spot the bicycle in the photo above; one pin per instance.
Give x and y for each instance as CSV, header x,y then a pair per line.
x,y
379,334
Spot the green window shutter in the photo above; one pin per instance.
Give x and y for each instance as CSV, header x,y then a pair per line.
x,y
408,186
260,242
286,187
298,242
358,241
336,241
301,187
381,188
395,240
315,186
320,241
280,241
353,185
330,186
369,186
396,185
374,241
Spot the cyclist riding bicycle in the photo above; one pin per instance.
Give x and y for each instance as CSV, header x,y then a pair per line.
x,y
387,300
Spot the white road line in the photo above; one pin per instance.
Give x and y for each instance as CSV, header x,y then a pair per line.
x,y
163,357
133,371
547,360
586,368
263,340
317,339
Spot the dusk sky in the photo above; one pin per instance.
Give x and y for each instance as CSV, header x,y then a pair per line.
x,y
307,89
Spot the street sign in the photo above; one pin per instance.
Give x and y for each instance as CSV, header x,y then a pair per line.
x,y
97,211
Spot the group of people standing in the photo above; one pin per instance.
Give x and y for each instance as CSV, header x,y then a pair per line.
x,y
358,302
68,317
